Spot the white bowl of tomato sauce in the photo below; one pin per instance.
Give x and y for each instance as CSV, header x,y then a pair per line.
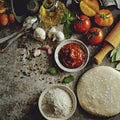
x,y
71,55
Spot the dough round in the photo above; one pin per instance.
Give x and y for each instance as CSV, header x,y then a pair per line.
x,y
98,91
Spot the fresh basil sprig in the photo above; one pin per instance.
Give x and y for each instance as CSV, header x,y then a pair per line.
x,y
66,21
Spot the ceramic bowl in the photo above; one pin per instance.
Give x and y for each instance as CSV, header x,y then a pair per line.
x,y
84,48
66,89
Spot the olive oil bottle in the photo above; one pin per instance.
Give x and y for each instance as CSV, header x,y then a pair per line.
x,y
51,12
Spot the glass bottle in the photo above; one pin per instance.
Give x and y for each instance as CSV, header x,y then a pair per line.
x,y
52,11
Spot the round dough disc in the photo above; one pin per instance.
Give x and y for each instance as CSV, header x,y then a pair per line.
x,y
98,91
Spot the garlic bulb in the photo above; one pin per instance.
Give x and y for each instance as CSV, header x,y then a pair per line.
x,y
37,52
39,34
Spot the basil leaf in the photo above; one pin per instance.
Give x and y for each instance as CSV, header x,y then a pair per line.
x,y
68,79
67,19
67,30
118,66
64,19
52,71
118,54
71,18
113,52
113,58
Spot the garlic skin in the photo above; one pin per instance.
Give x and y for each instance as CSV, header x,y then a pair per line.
x,y
39,34
60,36
52,32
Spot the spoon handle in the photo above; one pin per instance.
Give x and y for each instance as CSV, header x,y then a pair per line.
x,y
4,45
8,37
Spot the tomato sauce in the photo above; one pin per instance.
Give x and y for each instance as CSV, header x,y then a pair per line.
x,y
72,55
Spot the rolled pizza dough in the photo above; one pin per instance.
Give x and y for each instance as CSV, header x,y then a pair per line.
x,y
98,91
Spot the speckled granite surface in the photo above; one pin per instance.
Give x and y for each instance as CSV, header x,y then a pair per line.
x,y
23,78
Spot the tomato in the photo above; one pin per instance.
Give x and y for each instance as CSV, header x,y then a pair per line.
x,y
104,18
95,36
11,18
82,24
89,7
3,19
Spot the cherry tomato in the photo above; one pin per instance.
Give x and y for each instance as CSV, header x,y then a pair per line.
x,y
11,18
104,18
4,19
82,24
95,36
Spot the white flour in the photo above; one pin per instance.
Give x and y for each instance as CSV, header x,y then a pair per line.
x,y
57,103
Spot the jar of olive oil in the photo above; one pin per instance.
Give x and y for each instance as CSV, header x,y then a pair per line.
x,y
52,11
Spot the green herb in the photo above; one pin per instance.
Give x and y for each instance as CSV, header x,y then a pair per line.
x,y
113,59
67,30
118,54
113,52
66,21
118,66
68,79
115,56
52,71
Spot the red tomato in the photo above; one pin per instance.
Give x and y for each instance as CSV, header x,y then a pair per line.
x,y
95,36
4,19
11,18
82,24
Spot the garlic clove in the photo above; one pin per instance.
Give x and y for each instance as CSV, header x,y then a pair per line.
x,y
37,52
60,36
49,51
52,32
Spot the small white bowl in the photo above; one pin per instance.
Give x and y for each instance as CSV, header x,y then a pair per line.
x,y
66,89
81,44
